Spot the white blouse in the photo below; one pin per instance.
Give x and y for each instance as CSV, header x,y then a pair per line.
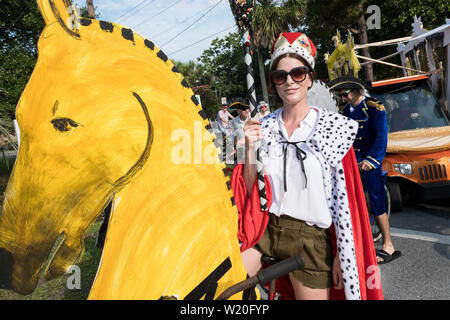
x,y
300,198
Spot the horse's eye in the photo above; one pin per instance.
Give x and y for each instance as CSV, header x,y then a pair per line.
x,y
64,124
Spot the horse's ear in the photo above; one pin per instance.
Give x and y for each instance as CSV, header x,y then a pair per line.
x,y
61,11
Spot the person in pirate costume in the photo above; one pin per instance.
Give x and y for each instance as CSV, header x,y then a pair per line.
x,y
315,198
370,148
237,124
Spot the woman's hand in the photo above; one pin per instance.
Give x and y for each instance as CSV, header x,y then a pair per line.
x,y
240,142
252,132
337,273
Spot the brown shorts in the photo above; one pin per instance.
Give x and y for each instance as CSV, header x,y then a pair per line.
x,y
286,237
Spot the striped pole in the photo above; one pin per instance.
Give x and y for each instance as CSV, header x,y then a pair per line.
x,y
252,101
250,80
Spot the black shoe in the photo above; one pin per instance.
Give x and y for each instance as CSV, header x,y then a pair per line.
x,y
376,236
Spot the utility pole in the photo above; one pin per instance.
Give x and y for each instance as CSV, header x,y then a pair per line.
x,y
90,7
363,39
243,11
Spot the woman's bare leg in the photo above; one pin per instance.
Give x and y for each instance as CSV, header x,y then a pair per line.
x,y
252,261
305,293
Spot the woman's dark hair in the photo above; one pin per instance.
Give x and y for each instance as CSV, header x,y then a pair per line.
x,y
272,88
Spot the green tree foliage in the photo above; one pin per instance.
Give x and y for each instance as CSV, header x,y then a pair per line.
x,y
270,18
200,81
210,101
224,60
194,73
396,19
20,26
322,20
83,11
397,15
221,72
16,66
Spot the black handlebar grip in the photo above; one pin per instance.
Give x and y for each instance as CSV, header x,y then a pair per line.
x,y
280,269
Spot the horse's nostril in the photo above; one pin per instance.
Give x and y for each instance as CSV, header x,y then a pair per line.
x,y
6,267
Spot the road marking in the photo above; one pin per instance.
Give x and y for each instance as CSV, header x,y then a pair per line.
x,y
420,235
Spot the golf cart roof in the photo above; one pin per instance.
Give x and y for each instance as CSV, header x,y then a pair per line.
x,y
398,80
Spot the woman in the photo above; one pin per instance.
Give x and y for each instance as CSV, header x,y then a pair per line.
x,y
263,110
303,150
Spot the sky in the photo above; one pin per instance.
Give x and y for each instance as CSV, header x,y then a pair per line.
x,y
183,29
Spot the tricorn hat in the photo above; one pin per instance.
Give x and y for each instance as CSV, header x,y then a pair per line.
x,y
240,105
348,82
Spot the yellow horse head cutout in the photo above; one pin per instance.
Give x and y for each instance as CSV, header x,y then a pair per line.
x,y
102,118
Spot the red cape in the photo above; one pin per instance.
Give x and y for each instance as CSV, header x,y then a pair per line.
x,y
253,222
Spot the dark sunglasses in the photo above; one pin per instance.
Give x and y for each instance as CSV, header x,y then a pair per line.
x,y
345,94
297,74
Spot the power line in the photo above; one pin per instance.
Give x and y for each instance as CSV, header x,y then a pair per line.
x,y
170,54
132,9
173,38
181,23
165,9
128,11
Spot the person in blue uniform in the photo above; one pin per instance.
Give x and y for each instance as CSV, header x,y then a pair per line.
x,y
370,148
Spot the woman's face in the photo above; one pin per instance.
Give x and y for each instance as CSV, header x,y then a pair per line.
x,y
292,92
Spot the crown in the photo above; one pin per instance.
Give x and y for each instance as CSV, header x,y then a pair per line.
x,y
294,42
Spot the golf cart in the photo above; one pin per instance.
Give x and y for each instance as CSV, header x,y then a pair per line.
x,y
418,152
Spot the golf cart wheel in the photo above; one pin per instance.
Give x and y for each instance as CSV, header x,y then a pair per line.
x,y
396,196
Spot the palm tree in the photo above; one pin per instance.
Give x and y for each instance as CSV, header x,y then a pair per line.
x,y
269,19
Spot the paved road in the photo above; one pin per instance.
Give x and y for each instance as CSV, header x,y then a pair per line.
x,y
422,233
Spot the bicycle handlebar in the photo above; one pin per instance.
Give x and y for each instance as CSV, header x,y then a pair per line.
x,y
263,276
280,269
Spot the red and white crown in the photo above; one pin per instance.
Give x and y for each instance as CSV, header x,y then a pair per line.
x,y
294,42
